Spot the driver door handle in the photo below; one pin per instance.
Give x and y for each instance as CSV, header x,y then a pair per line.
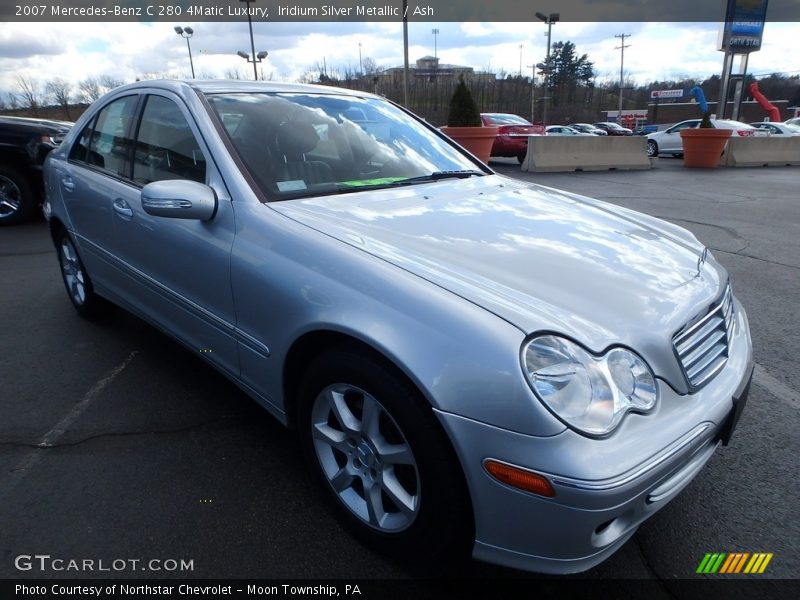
x,y
121,208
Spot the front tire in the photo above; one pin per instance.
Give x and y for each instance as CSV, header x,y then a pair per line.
x,y
18,201
382,457
652,149
79,286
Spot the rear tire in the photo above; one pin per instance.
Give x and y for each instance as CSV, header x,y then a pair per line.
x,y
521,157
383,458
18,200
79,286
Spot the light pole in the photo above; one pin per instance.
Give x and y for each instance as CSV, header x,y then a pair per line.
x,y
252,42
520,59
533,92
435,33
257,58
547,20
187,32
360,64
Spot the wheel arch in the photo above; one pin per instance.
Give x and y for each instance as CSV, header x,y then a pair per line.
x,y
313,343
56,227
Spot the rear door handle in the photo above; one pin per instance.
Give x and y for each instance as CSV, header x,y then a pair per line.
x,y
68,184
121,208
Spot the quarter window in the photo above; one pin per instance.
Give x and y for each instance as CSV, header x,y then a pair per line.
x,y
165,145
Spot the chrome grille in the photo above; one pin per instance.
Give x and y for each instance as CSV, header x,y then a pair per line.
x,y
702,346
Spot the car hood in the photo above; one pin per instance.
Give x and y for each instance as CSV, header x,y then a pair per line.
x,y
539,258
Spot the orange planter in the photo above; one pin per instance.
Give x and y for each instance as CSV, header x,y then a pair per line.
x,y
477,140
702,148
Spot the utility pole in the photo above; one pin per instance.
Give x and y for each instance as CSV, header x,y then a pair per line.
x,y
621,48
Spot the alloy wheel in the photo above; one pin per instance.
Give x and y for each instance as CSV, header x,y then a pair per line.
x,y
72,271
10,197
365,457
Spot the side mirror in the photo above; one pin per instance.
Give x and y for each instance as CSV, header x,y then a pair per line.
x,y
179,199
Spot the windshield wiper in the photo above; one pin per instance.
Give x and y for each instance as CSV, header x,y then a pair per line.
x,y
437,175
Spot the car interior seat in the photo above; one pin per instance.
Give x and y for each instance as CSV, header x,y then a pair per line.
x,y
294,139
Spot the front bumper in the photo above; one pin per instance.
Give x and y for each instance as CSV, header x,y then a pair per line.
x,y
604,488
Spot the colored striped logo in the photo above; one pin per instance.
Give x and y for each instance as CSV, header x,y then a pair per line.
x,y
734,562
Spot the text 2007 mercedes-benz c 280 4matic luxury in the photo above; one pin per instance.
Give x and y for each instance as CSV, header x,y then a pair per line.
x,y
471,362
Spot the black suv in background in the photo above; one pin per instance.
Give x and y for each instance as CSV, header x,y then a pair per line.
x,y
24,144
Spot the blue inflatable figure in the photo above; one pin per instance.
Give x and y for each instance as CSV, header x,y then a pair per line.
x,y
698,94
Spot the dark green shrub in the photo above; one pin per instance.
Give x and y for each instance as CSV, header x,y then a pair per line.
x,y
463,110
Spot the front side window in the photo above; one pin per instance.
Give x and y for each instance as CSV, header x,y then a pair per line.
x,y
299,144
166,147
105,143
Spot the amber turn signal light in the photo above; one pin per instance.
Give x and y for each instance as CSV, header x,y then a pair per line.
x,y
520,478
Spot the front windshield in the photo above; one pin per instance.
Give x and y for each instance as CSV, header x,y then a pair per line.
x,y
300,144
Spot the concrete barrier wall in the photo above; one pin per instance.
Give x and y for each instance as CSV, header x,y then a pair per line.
x,y
585,153
761,151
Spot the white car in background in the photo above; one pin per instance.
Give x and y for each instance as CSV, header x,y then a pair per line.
x,y
669,141
564,130
777,128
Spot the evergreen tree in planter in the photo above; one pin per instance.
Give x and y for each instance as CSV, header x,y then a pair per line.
x,y
463,109
464,124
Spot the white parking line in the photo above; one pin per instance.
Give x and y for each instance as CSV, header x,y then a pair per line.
x,y
54,435
776,387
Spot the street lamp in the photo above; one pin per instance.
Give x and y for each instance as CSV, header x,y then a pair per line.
x,y
435,33
547,20
360,64
252,42
187,32
256,59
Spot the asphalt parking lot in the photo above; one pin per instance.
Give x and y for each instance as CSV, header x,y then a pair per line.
x,y
115,442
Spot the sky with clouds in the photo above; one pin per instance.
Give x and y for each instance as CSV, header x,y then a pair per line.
x,y
658,51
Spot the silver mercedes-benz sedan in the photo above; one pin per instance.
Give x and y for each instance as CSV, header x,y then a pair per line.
x,y
471,362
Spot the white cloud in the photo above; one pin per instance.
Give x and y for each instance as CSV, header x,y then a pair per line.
x,y
658,51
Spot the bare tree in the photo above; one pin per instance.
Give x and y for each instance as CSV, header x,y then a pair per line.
x,y
234,74
150,75
60,91
13,101
89,90
109,82
30,92
371,67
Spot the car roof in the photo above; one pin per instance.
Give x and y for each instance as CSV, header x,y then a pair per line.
x,y
221,86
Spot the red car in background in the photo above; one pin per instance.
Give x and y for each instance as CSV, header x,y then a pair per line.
x,y
512,134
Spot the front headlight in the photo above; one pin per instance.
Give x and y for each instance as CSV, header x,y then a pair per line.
x,y
589,393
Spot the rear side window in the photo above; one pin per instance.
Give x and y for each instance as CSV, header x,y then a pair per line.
x,y
109,145
104,143
166,148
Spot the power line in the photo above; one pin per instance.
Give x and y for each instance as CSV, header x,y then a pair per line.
x,y
621,48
